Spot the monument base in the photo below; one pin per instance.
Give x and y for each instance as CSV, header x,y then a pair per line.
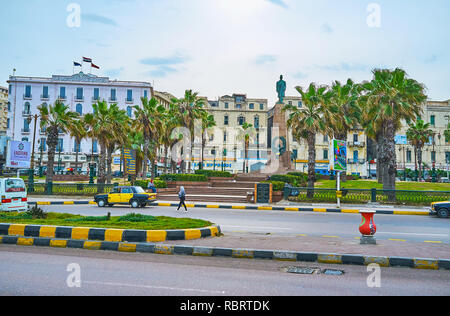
x,y
368,240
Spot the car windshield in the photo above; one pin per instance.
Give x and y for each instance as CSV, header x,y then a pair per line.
x,y
139,190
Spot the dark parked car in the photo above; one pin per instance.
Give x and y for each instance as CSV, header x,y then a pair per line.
x,y
441,209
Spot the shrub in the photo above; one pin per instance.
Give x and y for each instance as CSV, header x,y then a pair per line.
x,y
136,218
296,181
184,177
159,184
214,173
36,213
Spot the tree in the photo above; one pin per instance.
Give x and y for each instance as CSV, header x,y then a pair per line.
x,y
148,120
419,134
307,122
246,133
208,122
55,119
389,98
78,131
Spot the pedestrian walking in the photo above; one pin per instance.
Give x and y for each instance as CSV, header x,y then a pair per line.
x,y
182,196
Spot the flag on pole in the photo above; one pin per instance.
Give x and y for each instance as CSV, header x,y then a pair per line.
x,y
87,60
95,66
75,64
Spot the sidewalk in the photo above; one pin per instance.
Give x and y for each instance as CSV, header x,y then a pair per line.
x,y
383,248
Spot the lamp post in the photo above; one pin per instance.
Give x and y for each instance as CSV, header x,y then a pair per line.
x,y
433,173
31,172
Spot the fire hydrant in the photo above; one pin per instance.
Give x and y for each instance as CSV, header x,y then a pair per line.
x,y
367,228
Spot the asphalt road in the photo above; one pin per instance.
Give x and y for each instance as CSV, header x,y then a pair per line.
x,y
394,227
44,271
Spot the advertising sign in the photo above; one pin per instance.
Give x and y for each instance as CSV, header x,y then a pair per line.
x,y
129,157
18,155
401,140
339,155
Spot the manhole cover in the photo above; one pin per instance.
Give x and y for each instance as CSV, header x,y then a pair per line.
x,y
302,270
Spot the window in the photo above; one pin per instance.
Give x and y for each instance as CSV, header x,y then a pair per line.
x,y
113,94
45,92
261,106
27,91
325,154
355,138
9,89
241,120
290,102
295,153
226,105
408,156
355,156
27,108
95,146
76,147
224,136
43,144
225,120
79,93
145,94
9,106
447,157
79,109
251,106
325,138
7,123
238,106
96,94
26,126
129,111
300,104
62,93
433,120
256,121
25,139
60,146
129,95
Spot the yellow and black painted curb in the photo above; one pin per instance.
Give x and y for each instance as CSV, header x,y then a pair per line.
x,y
106,234
327,258
258,208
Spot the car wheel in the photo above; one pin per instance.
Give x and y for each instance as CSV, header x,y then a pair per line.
x,y
101,203
443,213
134,204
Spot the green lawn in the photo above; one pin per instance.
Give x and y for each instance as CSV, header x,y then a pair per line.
x,y
151,223
373,184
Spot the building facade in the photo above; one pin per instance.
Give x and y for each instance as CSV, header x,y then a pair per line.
x,y
79,91
3,110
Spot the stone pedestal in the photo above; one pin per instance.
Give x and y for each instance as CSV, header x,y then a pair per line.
x,y
280,122
368,240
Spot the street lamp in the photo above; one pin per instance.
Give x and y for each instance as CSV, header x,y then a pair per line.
x,y
433,157
31,172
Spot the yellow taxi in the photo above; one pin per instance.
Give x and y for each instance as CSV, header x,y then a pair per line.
x,y
128,195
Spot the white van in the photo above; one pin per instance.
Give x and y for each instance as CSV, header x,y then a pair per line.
x,y
13,195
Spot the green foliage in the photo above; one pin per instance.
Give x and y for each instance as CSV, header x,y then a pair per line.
x,y
159,184
184,177
214,173
89,219
296,181
36,213
136,218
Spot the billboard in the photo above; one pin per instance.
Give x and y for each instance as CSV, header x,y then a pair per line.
x,y
18,155
339,155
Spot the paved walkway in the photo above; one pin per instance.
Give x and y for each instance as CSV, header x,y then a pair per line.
x,y
315,244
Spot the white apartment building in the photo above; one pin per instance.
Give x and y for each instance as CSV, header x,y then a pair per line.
x,y
79,92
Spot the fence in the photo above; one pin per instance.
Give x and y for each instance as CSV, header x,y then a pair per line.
x,y
69,189
366,195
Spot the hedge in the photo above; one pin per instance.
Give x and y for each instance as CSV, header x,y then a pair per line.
x,y
214,173
297,181
184,177
159,184
277,185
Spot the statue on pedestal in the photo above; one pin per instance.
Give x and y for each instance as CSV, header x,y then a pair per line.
x,y
281,89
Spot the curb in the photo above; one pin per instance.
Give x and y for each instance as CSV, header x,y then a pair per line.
x,y
328,258
258,208
105,234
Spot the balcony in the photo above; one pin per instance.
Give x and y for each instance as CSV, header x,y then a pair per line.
x,y
62,97
129,101
27,96
79,99
43,131
111,100
45,97
357,144
95,99
25,130
356,161
26,113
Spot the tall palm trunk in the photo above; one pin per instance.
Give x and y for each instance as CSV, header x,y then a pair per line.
x,y
311,164
380,153
419,160
101,176
389,160
415,161
108,164
145,162
52,141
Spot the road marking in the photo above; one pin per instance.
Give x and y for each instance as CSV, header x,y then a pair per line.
x,y
302,235
433,241
415,234
153,287
391,239
255,227
325,236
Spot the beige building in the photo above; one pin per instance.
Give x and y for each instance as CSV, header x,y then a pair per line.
x,y
3,110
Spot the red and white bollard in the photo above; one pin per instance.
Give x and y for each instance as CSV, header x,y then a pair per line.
x,y
367,228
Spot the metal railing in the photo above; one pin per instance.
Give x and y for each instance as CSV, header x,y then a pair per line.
x,y
363,196
69,189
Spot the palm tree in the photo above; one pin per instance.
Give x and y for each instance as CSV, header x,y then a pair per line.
x,y
79,132
309,121
149,119
171,119
419,134
55,119
208,122
389,98
247,133
191,109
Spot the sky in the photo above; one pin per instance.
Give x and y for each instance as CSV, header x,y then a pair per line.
x,y
221,47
